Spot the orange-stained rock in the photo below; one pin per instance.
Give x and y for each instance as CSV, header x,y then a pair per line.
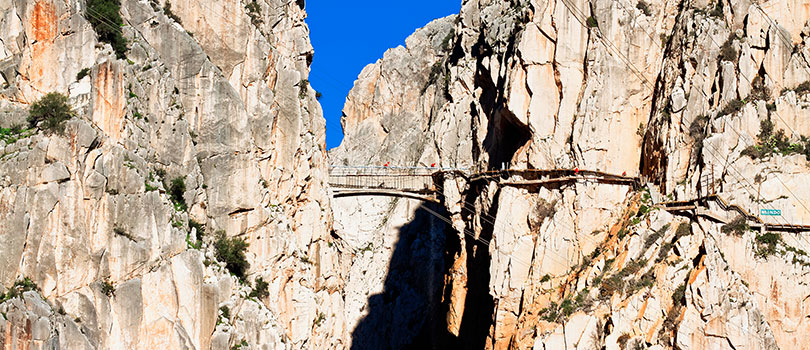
x,y
43,21
109,99
41,68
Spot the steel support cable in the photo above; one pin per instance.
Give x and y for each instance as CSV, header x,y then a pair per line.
x,y
740,136
492,221
730,166
608,44
741,139
693,329
551,256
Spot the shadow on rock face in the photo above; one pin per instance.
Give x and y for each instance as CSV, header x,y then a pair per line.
x,y
409,312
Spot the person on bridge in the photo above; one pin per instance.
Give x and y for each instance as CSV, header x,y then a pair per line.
x,y
576,170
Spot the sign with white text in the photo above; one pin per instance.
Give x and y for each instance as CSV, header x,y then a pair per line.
x,y
770,212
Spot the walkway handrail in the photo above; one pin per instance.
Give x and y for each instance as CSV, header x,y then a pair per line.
x,y
675,205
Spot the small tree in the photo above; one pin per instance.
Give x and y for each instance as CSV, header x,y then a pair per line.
x,y
737,227
260,289
231,251
105,17
727,51
51,112
644,7
176,190
20,286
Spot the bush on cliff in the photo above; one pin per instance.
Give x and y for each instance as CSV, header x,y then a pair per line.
x,y
105,17
176,190
231,251
50,113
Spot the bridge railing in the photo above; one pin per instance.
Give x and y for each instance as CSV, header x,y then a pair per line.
x,y
393,178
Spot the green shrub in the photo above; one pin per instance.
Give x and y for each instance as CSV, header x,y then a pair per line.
x,y
19,287
731,107
644,7
226,312
679,294
717,10
592,22
14,133
242,344
643,210
82,73
647,280
767,243
148,187
176,190
260,289
758,89
663,252
448,40
611,285
727,50
765,130
198,226
231,251
803,88
107,288
50,112
302,88
320,319
167,10
632,267
105,17
567,307
684,229
255,12
652,238
550,313
664,40
770,142
738,226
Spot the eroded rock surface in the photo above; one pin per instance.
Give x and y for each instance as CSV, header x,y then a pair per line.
x,y
210,92
673,93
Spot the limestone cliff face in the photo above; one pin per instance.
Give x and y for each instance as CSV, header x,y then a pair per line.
x,y
217,94
672,92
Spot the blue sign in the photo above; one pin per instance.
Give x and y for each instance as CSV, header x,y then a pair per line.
x,y
770,212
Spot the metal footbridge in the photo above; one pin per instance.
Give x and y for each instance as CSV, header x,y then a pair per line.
x,y
422,182
727,212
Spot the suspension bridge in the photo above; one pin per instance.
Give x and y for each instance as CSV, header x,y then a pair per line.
x,y
423,183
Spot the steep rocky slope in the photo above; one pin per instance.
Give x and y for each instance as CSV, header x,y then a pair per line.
x,y
675,93
211,94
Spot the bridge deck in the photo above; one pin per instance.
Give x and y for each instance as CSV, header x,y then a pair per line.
x,y
758,223
420,183
428,197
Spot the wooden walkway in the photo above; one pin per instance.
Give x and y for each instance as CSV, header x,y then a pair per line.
x,y
700,210
420,183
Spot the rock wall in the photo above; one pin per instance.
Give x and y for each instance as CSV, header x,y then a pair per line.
x,y
215,93
674,93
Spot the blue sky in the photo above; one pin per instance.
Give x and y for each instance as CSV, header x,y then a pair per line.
x,y
348,35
